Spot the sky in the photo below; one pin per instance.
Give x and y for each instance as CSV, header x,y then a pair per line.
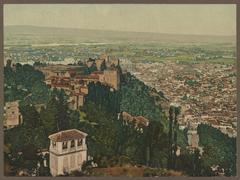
x,y
176,19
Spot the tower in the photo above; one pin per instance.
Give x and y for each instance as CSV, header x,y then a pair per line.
x,y
112,78
68,151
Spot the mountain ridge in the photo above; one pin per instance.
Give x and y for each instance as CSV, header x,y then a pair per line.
x,y
111,35
83,29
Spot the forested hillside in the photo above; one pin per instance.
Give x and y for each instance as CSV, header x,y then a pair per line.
x,y
111,142
136,99
147,147
23,82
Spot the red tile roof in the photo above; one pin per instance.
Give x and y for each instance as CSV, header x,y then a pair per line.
x,y
137,119
67,135
142,120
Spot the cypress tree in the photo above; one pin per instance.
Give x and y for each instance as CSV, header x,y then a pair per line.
x,y
170,141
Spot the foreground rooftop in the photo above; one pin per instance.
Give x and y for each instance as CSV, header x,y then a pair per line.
x,y
67,135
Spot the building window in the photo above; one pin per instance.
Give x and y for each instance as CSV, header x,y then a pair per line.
x,y
64,145
80,141
72,143
53,144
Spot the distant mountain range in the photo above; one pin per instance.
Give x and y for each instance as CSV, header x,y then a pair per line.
x,y
89,35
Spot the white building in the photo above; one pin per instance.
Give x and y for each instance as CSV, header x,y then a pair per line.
x,y
12,115
193,138
68,151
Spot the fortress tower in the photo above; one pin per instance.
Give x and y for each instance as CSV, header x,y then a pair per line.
x,y
112,78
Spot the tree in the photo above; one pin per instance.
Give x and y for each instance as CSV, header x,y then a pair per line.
x,y
74,117
49,116
24,141
156,139
101,128
92,68
218,149
25,83
31,117
170,135
62,112
136,99
175,135
174,111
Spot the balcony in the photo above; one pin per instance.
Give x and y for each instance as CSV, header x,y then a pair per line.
x,y
82,147
71,149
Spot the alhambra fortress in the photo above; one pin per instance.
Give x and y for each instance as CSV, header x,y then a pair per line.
x,y
75,84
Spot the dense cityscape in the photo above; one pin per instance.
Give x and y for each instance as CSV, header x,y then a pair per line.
x,y
206,92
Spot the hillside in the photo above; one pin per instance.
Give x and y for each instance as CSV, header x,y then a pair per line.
x,y
111,142
30,33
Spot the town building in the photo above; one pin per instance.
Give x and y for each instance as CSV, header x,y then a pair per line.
x,y
60,70
76,100
138,120
193,138
68,151
12,115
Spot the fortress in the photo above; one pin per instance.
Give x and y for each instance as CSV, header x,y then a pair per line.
x,y
74,81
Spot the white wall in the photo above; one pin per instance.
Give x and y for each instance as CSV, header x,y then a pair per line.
x,y
71,159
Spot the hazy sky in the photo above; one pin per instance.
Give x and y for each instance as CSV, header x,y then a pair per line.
x,y
178,19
